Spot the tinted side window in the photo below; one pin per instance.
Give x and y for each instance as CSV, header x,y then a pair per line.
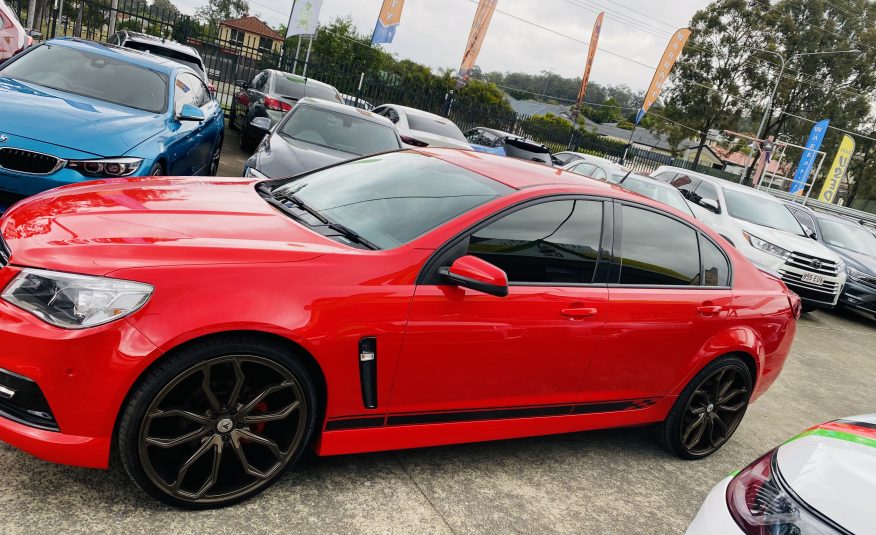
x,y
657,250
585,169
554,242
716,270
665,176
189,90
804,219
599,174
564,158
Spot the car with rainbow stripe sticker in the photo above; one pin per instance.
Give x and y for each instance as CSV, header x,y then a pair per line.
x,y
822,481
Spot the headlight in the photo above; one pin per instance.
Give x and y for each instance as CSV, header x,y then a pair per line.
x,y
75,301
857,275
108,167
252,172
766,246
759,503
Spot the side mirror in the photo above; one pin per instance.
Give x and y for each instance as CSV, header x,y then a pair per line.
x,y
243,84
710,205
262,124
476,274
35,34
191,113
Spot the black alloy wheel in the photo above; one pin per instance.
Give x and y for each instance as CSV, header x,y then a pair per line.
x,y
709,410
214,432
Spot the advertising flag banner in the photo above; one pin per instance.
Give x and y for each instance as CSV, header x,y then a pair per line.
x,y
816,136
837,170
476,36
304,17
670,56
387,21
594,39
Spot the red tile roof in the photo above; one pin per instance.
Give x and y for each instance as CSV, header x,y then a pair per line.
x,y
741,160
253,25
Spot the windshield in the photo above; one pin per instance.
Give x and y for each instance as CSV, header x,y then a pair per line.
x,y
761,211
435,125
179,57
339,131
393,198
653,190
848,236
91,75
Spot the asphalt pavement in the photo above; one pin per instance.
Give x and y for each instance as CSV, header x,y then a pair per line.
x,y
616,481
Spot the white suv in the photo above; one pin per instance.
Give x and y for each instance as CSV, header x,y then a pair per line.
x,y
765,232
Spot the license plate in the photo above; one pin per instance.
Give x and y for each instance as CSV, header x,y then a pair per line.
x,y
812,278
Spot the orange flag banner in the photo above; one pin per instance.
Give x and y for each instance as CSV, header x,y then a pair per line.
x,y
670,56
591,52
475,39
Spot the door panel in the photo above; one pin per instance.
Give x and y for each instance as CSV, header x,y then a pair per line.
x,y
464,349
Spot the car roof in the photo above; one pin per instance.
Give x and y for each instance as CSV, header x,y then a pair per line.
x,y
720,182
821,215
415,111
160,41
299,78
346,110
149,61
513,172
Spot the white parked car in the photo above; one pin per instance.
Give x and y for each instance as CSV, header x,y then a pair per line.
x,y
763,229
420,128
567,157
600,169
823,481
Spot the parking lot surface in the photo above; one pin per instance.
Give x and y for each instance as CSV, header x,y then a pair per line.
x,y
616,481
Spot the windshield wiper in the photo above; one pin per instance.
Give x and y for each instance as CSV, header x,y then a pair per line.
x,y
352,235
294,199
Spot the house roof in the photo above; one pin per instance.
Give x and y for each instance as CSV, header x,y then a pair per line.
x,y
741,160
253,25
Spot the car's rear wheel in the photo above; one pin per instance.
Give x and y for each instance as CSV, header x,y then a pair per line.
x,y
217,422
216,157
156,170
232,117
709,409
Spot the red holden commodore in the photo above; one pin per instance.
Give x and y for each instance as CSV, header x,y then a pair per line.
x,y
207,331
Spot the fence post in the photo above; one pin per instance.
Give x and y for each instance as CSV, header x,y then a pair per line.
x,y
114,12
31,13
448,103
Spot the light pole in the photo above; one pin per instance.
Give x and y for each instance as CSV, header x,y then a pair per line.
x,y
769,108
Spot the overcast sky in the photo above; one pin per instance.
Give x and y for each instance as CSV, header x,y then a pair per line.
x,y
434,32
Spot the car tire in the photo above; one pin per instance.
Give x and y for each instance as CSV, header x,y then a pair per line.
x,y
704,408
247,143
232,116
228,415
157,170
216,157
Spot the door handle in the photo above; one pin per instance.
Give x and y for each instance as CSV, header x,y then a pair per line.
x,y
709,310
579,312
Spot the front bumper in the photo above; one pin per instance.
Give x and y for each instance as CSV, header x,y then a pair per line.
x,y
84,376
859,296
714,518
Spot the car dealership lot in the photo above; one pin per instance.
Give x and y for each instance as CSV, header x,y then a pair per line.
x,y
607,481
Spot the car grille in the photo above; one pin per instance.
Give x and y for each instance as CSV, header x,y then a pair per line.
x,y
795,282
25,161
813,264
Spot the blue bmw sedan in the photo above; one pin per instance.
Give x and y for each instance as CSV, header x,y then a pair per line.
x,y
73,110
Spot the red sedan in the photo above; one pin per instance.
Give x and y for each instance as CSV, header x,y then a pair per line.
x,y
208,331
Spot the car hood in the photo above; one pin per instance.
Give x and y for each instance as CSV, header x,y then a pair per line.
x,y
791,242
832,467
73,121
859,261
286,157
99,227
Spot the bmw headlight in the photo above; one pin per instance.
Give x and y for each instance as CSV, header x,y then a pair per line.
x,y
75,301
766,246
106,167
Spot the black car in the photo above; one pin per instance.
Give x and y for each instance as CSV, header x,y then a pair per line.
x,y
272,94
855,245
165,48
318,133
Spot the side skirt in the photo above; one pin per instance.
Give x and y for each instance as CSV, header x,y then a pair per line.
x,y
402,431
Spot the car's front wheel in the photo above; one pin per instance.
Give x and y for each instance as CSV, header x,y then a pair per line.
x,y
709,409
217,422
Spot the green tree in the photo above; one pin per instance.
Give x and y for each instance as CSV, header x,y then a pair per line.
x,y
215,11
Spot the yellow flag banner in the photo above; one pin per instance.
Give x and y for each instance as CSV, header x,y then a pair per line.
x,y
670,56
475,39
837,170
594,39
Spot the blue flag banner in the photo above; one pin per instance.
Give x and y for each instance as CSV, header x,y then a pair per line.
x,y
387,21
801,176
